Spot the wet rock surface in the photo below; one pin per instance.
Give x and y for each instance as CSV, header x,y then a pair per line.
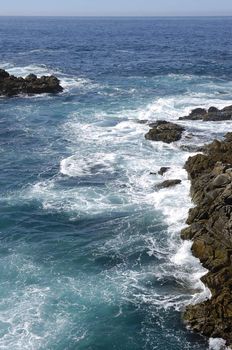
x,y
163,170
210,228
164,131
212,114
168,183
12,86
191,148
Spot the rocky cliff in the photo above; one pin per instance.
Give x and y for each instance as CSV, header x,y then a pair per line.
x,y
210,229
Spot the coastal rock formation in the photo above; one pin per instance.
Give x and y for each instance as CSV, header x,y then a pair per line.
x,y
11,85
164,131
212,114
210,228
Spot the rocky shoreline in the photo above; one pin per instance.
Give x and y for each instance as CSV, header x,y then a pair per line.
x,y
13,86
210,229
209,222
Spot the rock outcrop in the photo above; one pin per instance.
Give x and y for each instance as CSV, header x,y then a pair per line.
x,y
212,114
210,228
164,131
12,86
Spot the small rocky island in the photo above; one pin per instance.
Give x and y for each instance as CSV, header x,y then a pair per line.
x,y
12,86
162,130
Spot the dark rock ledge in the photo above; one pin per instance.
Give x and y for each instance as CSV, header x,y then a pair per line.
x,y
212,114
210,229
12,86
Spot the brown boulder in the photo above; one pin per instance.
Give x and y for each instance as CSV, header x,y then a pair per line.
x,y
164,131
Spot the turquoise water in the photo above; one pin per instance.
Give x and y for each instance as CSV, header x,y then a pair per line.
x,y
90,252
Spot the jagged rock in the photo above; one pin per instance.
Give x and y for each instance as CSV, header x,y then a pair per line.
x,y
164,131
3,74
210,228
227,109
198,111
11,85
195,114
31,77
213,114
213,110
168,183
220,181
163,170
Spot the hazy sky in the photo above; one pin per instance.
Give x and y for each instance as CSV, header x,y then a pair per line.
x,y
116,7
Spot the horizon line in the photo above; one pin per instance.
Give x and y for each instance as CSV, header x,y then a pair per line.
x,y
120,16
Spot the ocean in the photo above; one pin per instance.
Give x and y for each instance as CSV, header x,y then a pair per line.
x,y
91,256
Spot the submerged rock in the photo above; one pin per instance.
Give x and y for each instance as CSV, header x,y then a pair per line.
x,y
213,114
191,148
168,183
164,131
163,170
142,121
11,85
210,228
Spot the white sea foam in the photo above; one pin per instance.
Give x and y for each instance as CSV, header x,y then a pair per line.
x,y
74,82
94,164
40,50
217,344
174,107
139,190
33,68
104,142
22,318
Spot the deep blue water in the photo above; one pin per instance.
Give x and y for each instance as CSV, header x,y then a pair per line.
x,y
90,252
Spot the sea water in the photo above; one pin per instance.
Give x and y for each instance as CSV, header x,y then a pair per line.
x,y
91,256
